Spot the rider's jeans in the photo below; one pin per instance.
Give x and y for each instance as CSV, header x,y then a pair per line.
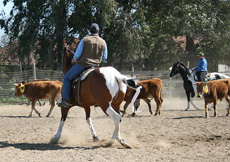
x,y
69,76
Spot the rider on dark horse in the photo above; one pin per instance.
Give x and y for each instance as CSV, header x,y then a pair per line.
x,y
91,51
201,69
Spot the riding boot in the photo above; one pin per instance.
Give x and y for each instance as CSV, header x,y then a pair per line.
x,y
64,103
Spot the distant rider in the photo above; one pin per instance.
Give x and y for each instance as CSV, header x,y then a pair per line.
x,y
201,70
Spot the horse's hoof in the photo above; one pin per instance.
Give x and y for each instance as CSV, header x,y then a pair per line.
x,y
95,139
133,114
186,109
125,145
54,140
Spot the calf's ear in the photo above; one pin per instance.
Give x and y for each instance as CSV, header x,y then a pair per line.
x,y
23,82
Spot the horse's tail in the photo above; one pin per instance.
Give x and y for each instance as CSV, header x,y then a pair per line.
x,y
131,83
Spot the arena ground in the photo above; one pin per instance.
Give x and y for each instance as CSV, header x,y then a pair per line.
x,y
175,135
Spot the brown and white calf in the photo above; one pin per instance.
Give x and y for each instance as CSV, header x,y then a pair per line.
x,y
36,90
150,88
214,90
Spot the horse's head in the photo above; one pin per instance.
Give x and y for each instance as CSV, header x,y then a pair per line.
x,y
174,69
67,58
179,67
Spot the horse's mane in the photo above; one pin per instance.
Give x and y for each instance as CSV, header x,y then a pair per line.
x,y
67,57
183,65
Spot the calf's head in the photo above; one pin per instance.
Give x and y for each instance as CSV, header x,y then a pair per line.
x,y
19,88
201,88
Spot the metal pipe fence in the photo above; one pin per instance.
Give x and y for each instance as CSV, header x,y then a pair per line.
x,y
171,86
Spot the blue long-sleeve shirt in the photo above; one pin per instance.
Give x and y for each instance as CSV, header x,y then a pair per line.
x,y
202,65
80,49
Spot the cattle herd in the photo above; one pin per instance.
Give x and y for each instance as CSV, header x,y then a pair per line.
x,y
152,88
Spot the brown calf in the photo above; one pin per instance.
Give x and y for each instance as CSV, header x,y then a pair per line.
x,y
214,90
36,90
152,87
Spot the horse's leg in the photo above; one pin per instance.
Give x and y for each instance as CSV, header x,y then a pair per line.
x,y
188,99
117,121
33,108
193,103
89,121
191,99
64,113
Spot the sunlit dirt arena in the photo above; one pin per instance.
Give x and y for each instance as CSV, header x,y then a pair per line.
x,y
175,135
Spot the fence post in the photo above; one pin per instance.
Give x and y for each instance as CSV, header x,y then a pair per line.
x,y
20,64
34,71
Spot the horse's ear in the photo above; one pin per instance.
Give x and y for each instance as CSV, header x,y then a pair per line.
x,y
177,63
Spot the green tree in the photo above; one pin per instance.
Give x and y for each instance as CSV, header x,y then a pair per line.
x,y
137,32
38,26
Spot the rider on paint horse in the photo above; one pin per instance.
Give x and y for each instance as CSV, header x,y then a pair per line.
x,y
201,70
91,51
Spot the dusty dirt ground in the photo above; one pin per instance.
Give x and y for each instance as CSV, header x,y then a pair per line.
x,y
175,135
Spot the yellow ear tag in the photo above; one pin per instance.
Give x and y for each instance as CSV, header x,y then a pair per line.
x,y
206,89
22,88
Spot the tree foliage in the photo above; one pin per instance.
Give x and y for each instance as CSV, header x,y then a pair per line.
x,y
139,32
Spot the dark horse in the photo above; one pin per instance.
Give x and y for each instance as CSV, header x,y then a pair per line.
x,y
104,87
179,67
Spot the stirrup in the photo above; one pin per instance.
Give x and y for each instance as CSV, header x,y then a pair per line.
x,y
64,104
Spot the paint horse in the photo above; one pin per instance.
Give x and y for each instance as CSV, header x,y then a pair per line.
x,y
104,87
190,82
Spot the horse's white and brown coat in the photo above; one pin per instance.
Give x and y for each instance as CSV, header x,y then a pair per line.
x,y
104,87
